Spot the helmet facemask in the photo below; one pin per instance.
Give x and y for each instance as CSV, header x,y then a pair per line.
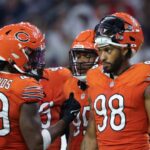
x,y
34,67
80,67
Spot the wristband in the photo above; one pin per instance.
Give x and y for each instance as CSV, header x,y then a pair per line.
x,y
46,138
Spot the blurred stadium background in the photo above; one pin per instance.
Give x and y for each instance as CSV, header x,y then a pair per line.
x,y
62,20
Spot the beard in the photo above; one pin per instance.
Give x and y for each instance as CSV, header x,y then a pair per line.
x,y
113,67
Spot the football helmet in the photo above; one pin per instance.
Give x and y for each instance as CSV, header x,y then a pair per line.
x,y
83,45
119,29
23,46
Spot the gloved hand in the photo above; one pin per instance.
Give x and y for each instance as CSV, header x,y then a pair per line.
x,y
70,109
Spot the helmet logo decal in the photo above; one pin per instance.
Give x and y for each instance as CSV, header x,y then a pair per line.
x,y
22,36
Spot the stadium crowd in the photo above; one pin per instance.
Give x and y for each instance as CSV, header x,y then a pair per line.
x,y
61,21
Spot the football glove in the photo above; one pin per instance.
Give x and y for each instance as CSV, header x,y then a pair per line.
x,y
70,109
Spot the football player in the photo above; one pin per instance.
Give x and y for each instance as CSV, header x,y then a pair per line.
x,y
83,56
22,48
120,92
54,97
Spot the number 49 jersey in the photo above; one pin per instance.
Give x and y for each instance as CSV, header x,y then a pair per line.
x,y
78,126
120,115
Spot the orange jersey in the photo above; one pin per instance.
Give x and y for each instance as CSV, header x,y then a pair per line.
x,y
119,109
14,91
79,125
53,88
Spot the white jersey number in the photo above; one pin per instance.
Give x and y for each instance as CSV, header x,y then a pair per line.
x,y
119,111
4,115
77,121
46,112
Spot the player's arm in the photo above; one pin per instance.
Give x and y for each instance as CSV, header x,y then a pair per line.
x,y
89,141
147,103
30,126
37,138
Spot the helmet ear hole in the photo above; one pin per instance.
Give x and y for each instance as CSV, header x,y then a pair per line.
x,y
8,32
132,38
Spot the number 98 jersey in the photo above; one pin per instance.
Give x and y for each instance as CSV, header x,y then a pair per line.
x,y
119,109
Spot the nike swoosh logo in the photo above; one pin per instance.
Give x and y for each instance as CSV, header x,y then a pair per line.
x,y
73,111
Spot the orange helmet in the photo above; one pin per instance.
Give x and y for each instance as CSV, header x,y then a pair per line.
x,y
83,44
23,46
119,29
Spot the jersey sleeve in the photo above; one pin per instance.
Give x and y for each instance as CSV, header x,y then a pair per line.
x,y
62,72
30,91
66,73
142,73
